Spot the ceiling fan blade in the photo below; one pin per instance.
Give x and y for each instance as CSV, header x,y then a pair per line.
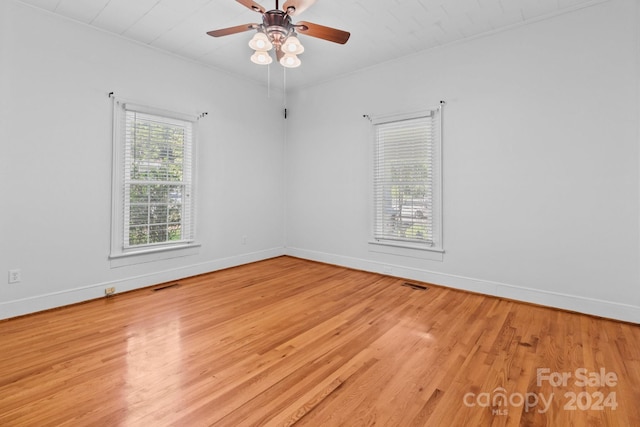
x,y
299,6
252,5
322,32
232,30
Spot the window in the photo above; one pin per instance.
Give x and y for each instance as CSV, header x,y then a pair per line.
x,y
153,180
406,181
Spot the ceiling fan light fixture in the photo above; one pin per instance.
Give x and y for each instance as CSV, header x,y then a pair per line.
x,y
290,60
278,32
292,45
260,42
261,58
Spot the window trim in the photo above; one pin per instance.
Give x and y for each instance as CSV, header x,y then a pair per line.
x,y
426,251
119,254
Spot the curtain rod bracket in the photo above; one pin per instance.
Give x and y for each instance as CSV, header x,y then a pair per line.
x,y
366,116
110,94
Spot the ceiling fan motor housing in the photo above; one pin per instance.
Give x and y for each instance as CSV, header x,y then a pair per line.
x,y
277,25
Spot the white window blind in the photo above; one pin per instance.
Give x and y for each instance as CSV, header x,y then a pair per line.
x,y
153,206
157,179
406,166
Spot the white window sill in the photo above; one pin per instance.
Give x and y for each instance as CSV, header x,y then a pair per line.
x,y
153,254
406,249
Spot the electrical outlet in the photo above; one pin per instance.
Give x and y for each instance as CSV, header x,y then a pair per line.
x,y
15,276
109,291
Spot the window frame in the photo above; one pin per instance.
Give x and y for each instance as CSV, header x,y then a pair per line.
x,y
427,250
122,254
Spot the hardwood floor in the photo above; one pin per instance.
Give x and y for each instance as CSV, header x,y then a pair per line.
x,y
287,341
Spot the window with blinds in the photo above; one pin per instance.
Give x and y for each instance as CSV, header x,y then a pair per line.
x,y
157,184
405,178
153,152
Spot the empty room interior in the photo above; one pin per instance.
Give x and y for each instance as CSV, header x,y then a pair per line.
x,y
320,213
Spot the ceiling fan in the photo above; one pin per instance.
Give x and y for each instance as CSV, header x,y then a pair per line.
x,y
279,33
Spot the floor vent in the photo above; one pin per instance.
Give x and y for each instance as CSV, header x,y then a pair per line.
x,y
168,286
414,286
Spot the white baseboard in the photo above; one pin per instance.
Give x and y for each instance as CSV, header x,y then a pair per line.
x,y
51,300
580,304
602,308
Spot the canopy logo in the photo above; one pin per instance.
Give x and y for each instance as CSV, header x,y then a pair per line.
x,y
499,401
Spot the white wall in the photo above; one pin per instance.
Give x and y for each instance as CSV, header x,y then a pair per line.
x,y
540,166
55,159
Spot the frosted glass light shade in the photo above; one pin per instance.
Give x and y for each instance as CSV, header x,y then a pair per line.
x,y
292,45
260,42
290,60
262,58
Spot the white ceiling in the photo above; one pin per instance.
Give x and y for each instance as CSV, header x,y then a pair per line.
x,y
381,30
